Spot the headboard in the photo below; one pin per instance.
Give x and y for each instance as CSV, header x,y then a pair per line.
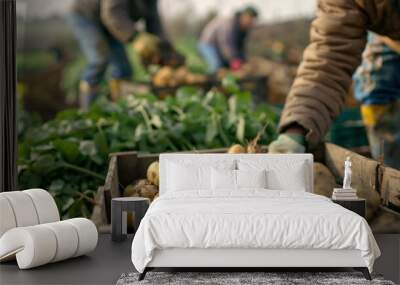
x,y
210,159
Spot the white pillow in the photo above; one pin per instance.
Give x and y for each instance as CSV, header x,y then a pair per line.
x,y
223,179
290,175
193,175
183,177
226,179
251,178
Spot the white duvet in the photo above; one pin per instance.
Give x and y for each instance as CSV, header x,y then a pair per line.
x,y
250,219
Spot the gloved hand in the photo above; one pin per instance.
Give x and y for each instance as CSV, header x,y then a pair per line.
x,y
288,143
235,64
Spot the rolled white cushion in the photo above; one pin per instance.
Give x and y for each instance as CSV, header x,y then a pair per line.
x,y
45,205
23,208
66,238
33,246
41,244
87,235
7,218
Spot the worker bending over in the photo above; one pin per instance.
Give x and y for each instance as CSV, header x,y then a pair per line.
x,y
222,42
103,27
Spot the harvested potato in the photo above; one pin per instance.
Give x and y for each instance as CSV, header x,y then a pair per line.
x,y
236,148
324,181
192,78
149,191
163,76
180,75
141,188
153,173
131,191
221,73
253,146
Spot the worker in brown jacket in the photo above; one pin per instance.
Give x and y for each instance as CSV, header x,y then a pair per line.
x,y
338,37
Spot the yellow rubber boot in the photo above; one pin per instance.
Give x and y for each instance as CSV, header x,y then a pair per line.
x,y
115,89
120,88
372,113
87,94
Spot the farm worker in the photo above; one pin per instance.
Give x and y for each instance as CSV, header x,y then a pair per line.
x,y
377,87
338,37
222,42
103,27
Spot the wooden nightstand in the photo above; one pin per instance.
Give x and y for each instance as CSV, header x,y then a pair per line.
x,y
356,205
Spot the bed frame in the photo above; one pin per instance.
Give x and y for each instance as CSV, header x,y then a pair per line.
x,y
245,258
242,259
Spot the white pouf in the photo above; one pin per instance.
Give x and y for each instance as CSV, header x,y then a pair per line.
x,y
41,244
31,230
45,205
23,209
7,219
87,233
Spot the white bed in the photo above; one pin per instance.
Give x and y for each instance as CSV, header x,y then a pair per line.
x,y
248,227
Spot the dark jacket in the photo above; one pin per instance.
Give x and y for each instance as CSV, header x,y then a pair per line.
x,y
120,16
338,37
226,36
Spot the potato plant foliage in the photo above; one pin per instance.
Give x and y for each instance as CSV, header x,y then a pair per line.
x,y
69,154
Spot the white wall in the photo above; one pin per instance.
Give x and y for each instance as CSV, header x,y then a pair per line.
x,y
271,10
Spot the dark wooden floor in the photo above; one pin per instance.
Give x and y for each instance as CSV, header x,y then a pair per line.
x,y
103,266
110,260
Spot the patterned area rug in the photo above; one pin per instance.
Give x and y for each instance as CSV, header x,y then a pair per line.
x,y
269,278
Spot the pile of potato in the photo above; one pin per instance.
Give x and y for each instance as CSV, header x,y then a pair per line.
x,y
147,188
171,77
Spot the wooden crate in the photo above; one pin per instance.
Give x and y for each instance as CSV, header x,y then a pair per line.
x,y
390,186
380,186
375,182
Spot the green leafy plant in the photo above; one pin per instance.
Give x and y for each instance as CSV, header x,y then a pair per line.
x,y
69,154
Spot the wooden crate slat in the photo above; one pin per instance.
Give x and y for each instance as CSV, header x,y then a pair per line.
x,y
364,176
390,186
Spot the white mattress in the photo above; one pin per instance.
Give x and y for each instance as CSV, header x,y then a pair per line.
x,y
253,219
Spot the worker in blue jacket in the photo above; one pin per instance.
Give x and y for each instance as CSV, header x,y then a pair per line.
x,y
377,87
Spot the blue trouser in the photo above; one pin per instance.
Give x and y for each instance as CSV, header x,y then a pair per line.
x,y
212,57
101,50
377,86
377,80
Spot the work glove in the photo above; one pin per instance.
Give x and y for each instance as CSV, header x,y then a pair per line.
x,y
288,143
235,64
